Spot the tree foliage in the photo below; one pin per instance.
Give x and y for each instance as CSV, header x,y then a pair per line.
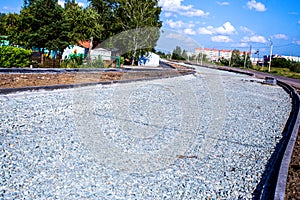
x,y
9,23
3,29
281,63
41,25
238,59
82,24
178,54
44,24
133,18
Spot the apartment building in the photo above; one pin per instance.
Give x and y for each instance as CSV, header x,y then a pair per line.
x,y
214,54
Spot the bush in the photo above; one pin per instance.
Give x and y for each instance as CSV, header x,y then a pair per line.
x,y
73,62
122,60
295,67
14,57
280,63
98,63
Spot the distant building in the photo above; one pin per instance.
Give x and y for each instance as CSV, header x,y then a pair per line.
x,y
104,53
216,54
292,58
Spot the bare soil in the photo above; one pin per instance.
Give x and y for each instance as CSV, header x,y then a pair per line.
x,y
19,80
293,180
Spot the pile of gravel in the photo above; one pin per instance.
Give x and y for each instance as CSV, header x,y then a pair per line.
x,y
192,137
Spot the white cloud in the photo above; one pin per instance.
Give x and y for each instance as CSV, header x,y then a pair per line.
x,y
297,42
62,3
8,9
247,30
185,27
168,14
174,24
176,7
205,31
299,22
281,36
242,44
221,38
223,3
258,6
193,13
257,39
191,24
292,13
81,4
225,29
189,31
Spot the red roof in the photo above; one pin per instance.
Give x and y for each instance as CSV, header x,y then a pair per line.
x,y
85,44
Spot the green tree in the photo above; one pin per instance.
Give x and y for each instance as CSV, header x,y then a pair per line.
x,y
83,24
294,66
236,60
281,63
42,25
106,8
8,25
248,63
3,29
176,55
224,62
184,55
132,17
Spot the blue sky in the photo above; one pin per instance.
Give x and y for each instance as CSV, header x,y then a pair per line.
x,y
231,24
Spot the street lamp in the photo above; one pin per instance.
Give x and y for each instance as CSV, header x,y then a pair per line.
x,y
271,49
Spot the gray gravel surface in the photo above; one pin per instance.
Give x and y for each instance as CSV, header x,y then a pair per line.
x,y
207,136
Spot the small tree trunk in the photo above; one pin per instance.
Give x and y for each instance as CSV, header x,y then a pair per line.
x,y
90,48
42,57
132,60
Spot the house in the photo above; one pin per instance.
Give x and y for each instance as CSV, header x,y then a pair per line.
x,y
104,53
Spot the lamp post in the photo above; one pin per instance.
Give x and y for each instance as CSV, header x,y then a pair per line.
x,y
271,49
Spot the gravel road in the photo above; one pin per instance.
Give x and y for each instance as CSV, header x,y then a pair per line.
x,y
207,136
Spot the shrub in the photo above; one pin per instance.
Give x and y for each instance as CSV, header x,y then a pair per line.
x,y
73,62
295,66
98,63
14,57
280,63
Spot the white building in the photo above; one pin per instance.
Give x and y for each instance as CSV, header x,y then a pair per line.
x,y
292,58
149,60
214,54
104,53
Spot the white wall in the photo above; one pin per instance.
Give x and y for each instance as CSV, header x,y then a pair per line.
x,y
151,60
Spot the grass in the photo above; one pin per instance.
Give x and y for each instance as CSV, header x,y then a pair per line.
x,y
278,71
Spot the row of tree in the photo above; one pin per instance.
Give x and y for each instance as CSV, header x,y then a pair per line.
x,y
44,24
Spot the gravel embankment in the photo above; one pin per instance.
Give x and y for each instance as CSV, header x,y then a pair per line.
x,y
207,136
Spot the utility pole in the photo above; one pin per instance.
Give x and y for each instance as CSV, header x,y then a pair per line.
x,y
271,52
